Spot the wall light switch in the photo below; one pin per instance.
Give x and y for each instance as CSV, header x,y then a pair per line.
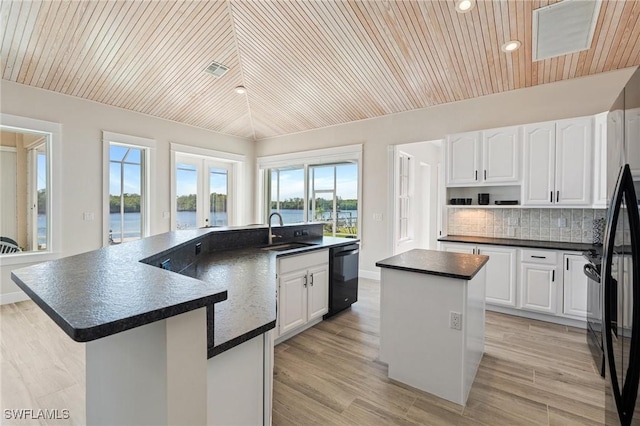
x,y
562,222
88,216
512,221
377,217
166,215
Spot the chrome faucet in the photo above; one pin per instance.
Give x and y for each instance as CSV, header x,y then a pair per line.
x,y
270,234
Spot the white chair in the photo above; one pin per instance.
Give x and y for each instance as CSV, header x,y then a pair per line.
x,y
7,245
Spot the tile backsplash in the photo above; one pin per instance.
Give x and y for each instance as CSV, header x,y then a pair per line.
x,y
527,224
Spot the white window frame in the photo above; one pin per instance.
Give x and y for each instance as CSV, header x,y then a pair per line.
x,y
318,157
148,147
54,203
233,162
404,194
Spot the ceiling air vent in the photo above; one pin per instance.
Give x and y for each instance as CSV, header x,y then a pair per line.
x,y
564,27
216,69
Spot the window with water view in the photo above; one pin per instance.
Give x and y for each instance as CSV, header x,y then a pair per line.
x,y
332,196
126,193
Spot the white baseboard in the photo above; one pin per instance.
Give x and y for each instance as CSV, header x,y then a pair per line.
x,y
371,275
16,296
536,316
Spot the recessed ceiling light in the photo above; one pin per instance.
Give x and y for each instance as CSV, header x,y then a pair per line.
x,y
510,46
240,90
463,6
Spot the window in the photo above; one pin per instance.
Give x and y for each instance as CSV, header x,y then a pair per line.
x,y
334,198
202,192
302,189
126,193
404,196
287,193
26,185
127,187
205,188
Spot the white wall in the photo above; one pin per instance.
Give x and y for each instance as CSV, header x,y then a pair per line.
x,y
565,99
82,125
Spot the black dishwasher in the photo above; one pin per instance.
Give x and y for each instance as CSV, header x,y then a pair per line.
x,y
343,277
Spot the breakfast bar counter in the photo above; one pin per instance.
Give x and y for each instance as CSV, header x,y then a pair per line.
x,y
432,320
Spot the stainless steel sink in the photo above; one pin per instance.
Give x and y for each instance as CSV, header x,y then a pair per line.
x,y
287,246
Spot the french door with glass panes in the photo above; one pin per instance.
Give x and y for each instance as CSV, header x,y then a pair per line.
x,y
202,192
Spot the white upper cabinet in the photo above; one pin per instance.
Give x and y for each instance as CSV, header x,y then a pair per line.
x,y
501,155
574,150
463,159
632,140
539,164
490,157
558,163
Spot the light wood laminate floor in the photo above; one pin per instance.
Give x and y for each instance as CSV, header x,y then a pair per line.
x,y
531,373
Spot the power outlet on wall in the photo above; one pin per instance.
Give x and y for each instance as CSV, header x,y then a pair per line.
x,y
455,320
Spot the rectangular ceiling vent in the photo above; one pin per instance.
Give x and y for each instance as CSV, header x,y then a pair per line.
x,y
563,28
216,69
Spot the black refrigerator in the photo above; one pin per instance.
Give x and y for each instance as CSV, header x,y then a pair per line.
x,y
620,272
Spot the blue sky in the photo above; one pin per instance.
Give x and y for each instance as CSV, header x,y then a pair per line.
x,y
292,183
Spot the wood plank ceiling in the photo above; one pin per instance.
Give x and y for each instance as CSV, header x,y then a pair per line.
x,y
305,64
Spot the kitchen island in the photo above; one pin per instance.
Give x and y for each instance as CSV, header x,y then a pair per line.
x,y
178,326
432,320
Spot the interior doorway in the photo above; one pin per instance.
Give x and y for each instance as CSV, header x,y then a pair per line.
x,y
417,212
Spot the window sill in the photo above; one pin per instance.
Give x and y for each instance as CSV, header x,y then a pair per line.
x,y
25,258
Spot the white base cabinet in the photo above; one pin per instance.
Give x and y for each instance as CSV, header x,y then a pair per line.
x,y
303,290
500,269
540,284
575,286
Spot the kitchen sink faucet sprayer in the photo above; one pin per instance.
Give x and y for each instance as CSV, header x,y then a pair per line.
x,y
281,224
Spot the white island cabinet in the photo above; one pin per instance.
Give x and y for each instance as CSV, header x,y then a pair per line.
x,y
432,306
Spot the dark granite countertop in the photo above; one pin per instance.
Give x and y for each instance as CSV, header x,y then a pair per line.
x,y
434,262
549,245
107,291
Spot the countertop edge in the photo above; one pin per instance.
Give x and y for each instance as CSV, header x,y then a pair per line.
x,y
236,341
534,244
437,273
84,335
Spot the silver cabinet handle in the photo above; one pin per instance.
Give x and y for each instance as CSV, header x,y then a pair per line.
x,y
311,279
305,280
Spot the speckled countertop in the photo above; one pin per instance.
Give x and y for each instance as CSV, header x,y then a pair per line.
x,y
548,245
433,262
107,291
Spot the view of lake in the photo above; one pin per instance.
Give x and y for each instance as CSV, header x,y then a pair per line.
x,y
187,219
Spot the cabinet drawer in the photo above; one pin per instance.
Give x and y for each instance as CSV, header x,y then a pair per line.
x,y
303,261
540,256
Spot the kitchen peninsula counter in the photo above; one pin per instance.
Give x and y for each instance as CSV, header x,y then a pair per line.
x,y
172,320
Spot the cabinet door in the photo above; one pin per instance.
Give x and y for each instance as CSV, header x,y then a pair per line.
x,y
632,140
600,161
292,311
501,275
318,289
501,155
574,150
575,286
539,164
538,288
458,248
463,158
